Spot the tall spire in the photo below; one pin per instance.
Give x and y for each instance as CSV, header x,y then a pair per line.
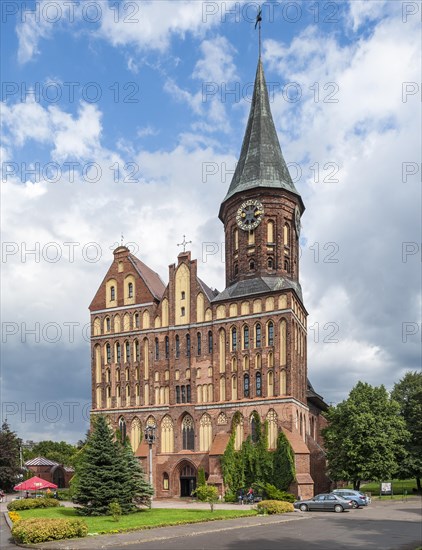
x,y
261,162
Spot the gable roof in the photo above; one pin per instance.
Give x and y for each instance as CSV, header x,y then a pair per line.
x,y
150,277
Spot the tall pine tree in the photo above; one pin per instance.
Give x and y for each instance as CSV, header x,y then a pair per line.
x,y
104,473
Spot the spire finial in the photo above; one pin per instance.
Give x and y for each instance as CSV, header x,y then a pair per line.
x,y
258,23
121,239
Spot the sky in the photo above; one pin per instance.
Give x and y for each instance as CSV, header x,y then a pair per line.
x,y
122,121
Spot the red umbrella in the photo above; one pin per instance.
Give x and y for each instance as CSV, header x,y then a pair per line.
x,y
34,484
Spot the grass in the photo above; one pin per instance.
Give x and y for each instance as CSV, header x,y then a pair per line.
x,y
144,519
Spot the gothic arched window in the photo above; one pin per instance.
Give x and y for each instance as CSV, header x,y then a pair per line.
x,y
257,335
188,434
234,338
209,341
258,384
246,385
122,428
245,337
167,346
177,346
188,345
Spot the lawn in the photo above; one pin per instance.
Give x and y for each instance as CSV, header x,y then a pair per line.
x,y
144,519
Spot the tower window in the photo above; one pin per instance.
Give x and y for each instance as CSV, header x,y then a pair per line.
x,y
246,385
108,325
210,341
118,353
177,394
177,346
258,335
130,290
236,239
270,333
108,352
157,350
286,266
245,337
234,339
198,343
112,293
188,345
182,312
270,263
183,295
167,347
258,384
251,265
236,270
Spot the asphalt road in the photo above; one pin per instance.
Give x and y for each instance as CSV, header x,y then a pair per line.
x,y
394,525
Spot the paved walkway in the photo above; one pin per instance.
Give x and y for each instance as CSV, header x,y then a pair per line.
x,y
155,534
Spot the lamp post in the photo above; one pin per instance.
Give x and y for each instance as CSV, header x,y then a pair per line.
x,y
150,438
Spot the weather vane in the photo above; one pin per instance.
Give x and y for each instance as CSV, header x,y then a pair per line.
x,y
184,243
121,239
258,24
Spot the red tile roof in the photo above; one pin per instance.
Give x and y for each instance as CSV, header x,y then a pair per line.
x,y
150,277
219,444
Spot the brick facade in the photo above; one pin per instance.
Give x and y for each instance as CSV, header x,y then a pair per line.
x,y
186,358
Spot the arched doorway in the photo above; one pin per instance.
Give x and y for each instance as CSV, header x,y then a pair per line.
x,y
187,479
58,477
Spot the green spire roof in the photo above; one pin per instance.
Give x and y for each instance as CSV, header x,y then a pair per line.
x,y
261,162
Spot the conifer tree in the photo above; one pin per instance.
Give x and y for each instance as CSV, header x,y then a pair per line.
x,y
140,488
102,473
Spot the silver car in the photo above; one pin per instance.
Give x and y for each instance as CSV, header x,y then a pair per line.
x,y
357,497
324,502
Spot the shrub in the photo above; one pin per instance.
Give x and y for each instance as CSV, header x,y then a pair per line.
x,y
64,494
207,493
35,530
274,507
14,517
30,503
270,492
230,496
115,510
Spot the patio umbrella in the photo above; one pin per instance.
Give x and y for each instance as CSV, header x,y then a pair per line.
x,y
34,484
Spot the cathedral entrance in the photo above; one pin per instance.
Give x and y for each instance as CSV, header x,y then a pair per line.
x,y
187,480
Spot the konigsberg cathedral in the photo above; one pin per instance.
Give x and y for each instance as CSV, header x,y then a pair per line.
x,y
186,358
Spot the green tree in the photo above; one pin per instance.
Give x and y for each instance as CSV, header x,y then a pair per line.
x,y
365,436
284,472
140,489
408,394
59,451
10,469
104,474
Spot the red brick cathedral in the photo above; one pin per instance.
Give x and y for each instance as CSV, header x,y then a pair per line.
x,y
185,358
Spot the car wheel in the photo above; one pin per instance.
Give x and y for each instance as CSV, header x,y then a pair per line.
x,y
355,504
303,508
338,508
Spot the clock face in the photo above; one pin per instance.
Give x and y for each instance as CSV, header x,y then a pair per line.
x,y
249,214
297,221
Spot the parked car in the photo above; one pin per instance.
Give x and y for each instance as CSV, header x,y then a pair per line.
x,y
357,497
324,502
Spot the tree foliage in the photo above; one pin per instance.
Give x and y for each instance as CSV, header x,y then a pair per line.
x,y
408,394
365,436
254,464
58,451
10,469
107,471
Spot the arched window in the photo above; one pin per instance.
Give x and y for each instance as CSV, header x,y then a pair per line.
x,y
167,346
205,433
198,344
251,237
122,429
246,362
257,335
234,364
236,239
112,293
270,333
238,440
108,353
222,389
183,295
245,337
236,270
258,361
188,345
135,433
254,431
118,353
286,235
258,384
157,350
270,383
251,265
209,341
234,339
136,320
130,290
222,350
270,263
177,346
166,481
127,351
137,351
188,434
283,382
167,435
286,266
107,324
246,385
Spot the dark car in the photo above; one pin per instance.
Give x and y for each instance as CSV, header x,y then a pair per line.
x,y
357,497
325,502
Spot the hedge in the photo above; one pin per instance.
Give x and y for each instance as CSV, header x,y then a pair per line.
x,y
35,530
30,503
274,507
